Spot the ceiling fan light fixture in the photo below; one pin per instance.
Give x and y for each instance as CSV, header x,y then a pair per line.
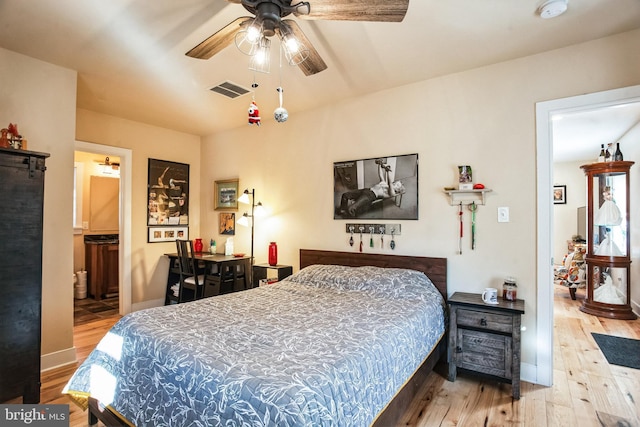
x,y
294,50
552,8
247,40
261,60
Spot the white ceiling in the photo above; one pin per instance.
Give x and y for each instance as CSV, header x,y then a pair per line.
x,y
577,136
131,63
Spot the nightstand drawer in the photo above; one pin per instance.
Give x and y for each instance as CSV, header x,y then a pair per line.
x,y
485,320
484,352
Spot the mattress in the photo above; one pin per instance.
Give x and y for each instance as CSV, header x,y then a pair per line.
x,y
328,346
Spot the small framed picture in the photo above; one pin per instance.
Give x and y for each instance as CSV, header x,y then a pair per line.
x,y
225,195
167,234
559,194
227,224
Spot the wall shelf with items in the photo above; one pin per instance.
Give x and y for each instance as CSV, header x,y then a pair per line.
x,y
466,197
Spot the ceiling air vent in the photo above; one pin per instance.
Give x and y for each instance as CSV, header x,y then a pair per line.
x,y
230,90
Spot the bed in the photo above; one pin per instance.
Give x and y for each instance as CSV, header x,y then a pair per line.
x,y
329,345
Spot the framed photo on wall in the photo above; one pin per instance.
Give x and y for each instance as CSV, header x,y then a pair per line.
x,y
559,194
225,194
167,193
227,223
376,188
167,234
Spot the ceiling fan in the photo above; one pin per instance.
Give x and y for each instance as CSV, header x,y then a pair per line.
x,y
108,164
269,21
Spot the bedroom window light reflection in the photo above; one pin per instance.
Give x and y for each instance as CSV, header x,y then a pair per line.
x,y
102,385
111,344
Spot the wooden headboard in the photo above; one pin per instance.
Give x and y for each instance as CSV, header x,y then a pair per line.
x,y
434,268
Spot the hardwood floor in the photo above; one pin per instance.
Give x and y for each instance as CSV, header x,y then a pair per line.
x,y
587,391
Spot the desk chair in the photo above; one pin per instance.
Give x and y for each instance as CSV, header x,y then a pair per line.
x,y
231,277
191,276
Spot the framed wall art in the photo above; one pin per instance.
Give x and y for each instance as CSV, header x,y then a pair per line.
x,y
227,223
168,193
225,194
376,188
167,234
559,194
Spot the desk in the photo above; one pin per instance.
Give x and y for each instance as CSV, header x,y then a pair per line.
x,y
212,265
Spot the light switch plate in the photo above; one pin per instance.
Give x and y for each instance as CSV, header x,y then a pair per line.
x,y
503,214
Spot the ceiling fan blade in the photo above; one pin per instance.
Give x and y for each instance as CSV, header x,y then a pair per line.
x,y
358,10
314,63
218,41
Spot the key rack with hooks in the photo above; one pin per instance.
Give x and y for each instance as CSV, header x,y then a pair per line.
x,y
377,229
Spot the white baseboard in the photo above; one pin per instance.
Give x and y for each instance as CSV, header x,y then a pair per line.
x,y
57,359
529,373
147,304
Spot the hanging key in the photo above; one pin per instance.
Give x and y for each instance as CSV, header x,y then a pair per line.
x,y
392,244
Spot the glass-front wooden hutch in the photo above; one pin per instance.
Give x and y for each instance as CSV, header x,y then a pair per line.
x,y
608,256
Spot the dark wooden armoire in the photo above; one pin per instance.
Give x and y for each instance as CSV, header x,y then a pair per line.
x,y
22,180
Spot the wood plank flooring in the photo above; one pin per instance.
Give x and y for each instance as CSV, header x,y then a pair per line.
x,y
587,391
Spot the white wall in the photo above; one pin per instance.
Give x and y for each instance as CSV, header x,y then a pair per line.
x,y
484,118
41,99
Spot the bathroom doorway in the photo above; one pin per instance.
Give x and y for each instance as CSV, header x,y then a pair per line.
x,y
124,219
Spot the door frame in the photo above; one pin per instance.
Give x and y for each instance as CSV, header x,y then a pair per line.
x,y
544,150
124,250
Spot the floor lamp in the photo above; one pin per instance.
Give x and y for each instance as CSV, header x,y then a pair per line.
x,y
244,220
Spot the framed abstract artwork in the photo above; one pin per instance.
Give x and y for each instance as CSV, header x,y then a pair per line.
x,y
227,223
167,193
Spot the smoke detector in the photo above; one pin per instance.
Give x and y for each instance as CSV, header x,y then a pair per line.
x,y
552,8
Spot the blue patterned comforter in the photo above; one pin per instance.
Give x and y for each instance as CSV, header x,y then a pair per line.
x,y
328,346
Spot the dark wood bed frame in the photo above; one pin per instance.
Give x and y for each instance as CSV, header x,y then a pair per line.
x,y
434,268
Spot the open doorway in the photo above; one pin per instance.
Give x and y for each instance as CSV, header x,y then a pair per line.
x,y
545,112
123,217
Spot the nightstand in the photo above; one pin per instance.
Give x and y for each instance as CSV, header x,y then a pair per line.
x,y
485,338
260,272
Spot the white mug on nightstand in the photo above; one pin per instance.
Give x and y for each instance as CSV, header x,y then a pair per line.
x,y
490,295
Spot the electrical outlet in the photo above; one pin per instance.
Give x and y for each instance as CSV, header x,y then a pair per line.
x,y
85,225
503,214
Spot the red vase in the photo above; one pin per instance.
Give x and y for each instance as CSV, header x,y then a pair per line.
x,y
273,254
197,246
